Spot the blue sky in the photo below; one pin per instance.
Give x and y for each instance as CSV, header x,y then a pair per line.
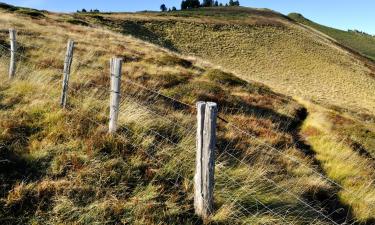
x,y
342,14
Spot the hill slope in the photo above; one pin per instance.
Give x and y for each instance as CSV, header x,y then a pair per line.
x,y
60,166
260,45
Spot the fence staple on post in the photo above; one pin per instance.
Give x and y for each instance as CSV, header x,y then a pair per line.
x,y
205,158
13,49
66,73
116,66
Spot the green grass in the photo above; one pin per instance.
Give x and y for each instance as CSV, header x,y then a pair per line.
x,y
362,43
331,138
360,137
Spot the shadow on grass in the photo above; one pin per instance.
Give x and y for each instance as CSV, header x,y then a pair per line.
x,y
137,29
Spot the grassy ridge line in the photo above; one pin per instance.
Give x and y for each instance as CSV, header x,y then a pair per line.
x,y
72,172
364,44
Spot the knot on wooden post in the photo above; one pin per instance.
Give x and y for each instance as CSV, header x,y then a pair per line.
x,y
13,49
66,73
115,67
205,158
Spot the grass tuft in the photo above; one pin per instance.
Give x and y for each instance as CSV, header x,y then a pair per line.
x,y
221,77
77,22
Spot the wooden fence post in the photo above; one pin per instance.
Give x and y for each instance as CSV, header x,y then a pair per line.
x,y
67,67
205,166
13,49
198,195
116,66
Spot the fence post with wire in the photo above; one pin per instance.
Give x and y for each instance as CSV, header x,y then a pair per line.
x,y
205,158
116,67
67,67
13,48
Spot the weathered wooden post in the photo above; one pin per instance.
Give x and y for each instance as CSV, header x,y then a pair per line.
x,y
205,158
116,66
13,49
198,195
66,73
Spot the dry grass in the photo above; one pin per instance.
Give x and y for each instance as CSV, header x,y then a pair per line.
x,y
61,167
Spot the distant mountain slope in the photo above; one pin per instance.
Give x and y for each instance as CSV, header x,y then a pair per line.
x,y
363,43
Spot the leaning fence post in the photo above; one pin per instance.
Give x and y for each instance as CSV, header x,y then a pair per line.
x,y
67,67
116,65
205,165
13,49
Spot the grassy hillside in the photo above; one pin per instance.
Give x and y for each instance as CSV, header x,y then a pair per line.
x,y
260,45
61,167
364,44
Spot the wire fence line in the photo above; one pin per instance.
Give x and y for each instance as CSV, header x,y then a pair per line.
x,y
188,179
141,137
190,132
253,137
158,93
192,150
268,146
263,144
124,138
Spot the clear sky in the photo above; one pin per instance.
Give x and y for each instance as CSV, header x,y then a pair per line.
x,y
342,14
